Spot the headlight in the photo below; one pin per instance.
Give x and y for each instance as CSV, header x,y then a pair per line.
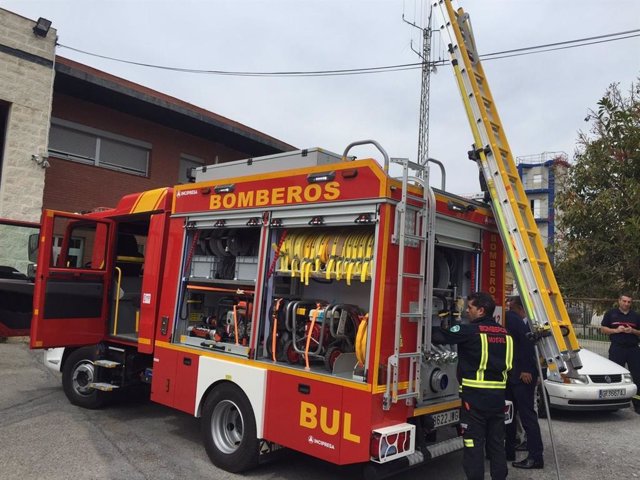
x,y
580,379
626,378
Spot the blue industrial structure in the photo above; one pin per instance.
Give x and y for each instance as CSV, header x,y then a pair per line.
x,y
539,176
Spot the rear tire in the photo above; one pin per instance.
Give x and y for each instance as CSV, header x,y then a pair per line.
x,y
77,373
229,429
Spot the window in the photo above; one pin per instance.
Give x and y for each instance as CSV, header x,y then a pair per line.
x,y
536,208
78,244
187,162
84,144
537,179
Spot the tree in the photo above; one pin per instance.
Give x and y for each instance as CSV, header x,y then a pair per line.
x,y
598,249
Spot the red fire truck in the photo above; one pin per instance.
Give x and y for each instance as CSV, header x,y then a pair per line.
x,y
288,300
288,307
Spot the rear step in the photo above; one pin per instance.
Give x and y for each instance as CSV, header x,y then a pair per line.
x,y
103,386
378,471
444,447
106,363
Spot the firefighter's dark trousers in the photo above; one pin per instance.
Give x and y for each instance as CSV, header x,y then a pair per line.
x,y
480,427
629,355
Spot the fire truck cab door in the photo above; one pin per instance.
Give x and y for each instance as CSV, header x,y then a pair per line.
x,y
72,286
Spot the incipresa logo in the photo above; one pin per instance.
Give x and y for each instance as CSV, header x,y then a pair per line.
x,y
315,441
184,193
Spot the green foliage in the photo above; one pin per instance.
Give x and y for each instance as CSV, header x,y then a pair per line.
x,y
598,249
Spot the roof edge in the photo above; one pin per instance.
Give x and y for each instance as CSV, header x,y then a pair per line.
x,y
106,80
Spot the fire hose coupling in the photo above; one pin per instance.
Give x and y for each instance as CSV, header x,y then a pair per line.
x,y
440,356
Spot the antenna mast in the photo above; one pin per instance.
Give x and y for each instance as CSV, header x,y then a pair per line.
x,y
425,55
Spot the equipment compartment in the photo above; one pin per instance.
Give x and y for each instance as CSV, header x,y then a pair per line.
x,y
319,294
215,307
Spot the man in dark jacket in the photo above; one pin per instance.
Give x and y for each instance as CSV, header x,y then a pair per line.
x,y
485,353
622,324
521,387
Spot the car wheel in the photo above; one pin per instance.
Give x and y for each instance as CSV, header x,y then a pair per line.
x,y
229,429
78,372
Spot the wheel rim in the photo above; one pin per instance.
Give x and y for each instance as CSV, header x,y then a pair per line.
x,y
227,426
83,375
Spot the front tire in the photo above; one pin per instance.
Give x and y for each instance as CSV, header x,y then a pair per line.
x,y
229,429
78,372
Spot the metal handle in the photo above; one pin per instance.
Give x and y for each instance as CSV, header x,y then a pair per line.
x,y
367,142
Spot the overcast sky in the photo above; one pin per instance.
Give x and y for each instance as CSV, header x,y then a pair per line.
x,y
542,99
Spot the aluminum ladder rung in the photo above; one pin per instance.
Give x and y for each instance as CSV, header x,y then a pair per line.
x,y
409,164
411,314
404,396
418,200
415,355
413,275
411,236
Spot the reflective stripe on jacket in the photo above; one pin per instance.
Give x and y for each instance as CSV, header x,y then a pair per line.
x,y
485,355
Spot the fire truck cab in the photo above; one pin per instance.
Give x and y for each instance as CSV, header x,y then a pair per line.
x,y
286,300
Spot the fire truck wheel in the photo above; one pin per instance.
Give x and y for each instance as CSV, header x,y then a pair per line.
x,y
330,357
78,372
229,429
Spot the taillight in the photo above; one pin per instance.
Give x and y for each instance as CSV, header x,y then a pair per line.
x,y
386,445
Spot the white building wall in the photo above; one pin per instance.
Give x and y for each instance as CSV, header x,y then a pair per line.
x,y
26,85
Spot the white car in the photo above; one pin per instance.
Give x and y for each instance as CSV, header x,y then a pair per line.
x,y
602,385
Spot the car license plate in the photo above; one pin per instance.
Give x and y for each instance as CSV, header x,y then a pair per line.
x,y
445,418
612,393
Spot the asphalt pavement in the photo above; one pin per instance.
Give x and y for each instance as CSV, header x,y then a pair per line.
x,y
43,436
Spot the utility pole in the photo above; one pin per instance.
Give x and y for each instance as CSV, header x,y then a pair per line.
x,y
425,55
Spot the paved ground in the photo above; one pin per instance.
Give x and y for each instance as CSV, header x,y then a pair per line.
x,y
43,436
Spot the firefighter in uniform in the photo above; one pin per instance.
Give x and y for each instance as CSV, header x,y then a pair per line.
x,y
485,353
622,324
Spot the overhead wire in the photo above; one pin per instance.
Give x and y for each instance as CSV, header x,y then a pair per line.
x,y
380,69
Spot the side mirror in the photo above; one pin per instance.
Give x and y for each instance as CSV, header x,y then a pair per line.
x,y
31,271
34,241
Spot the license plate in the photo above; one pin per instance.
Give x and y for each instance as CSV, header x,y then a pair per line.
x,y
613,393
445,418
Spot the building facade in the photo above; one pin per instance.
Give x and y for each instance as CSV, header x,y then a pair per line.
x,y
26,89
542,176
75,138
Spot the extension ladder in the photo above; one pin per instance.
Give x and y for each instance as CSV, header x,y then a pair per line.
x,y
536,282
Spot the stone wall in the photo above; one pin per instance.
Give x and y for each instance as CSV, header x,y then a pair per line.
x,y
26,88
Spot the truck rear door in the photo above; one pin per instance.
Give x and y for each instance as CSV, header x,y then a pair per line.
x,y
73,278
